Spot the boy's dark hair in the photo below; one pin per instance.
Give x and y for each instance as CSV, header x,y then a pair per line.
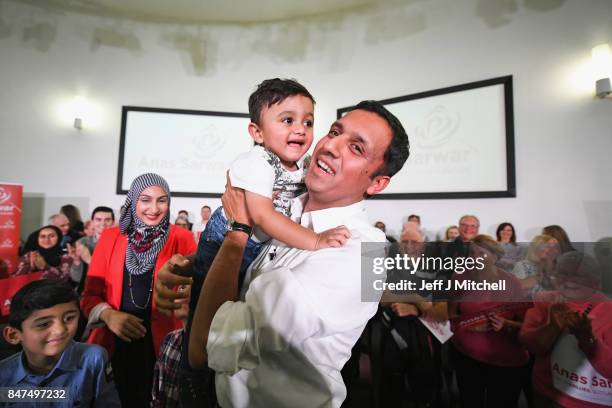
x,y
273,91
38,295
399,148
102,208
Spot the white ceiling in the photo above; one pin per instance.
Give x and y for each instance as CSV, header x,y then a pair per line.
x,y
207,11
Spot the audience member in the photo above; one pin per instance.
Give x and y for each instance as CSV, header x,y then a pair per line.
x,y
560,235
45,255
102,218
185,215
74,216
200,226
165,378
63,223
89,229
182,222
490,363
451,233
569,331
535,270
381,226
43,320
506,236
409,353
119,285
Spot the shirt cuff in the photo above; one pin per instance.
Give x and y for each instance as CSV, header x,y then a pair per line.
x,y
227,338
94,315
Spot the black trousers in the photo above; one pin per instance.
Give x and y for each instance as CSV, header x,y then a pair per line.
x,y
483,385
133,364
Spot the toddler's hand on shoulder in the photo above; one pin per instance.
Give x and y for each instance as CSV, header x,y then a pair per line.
x,y
332,238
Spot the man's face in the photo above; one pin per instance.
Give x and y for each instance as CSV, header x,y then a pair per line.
x,y
345,159
101,221
468,228
62,223
47,332
205,213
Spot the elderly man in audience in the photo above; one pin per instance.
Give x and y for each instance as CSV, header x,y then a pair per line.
x,y
63,223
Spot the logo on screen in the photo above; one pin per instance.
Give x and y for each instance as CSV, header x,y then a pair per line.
x,y
208,143
437,128
4,195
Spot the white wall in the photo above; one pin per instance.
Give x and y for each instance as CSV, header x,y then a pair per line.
x,y
563,135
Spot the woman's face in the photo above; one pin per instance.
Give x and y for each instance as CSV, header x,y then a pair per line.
x,y
47,238
549,250
506,234
152,205
453,233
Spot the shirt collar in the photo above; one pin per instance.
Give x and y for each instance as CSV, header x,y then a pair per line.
x,y
321,220
67,362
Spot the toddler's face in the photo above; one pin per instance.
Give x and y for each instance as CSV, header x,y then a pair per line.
x,y
286,128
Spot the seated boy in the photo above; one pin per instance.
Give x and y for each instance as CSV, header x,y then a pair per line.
x,y
43,320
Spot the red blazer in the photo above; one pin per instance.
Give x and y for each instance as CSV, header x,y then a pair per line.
x,y
105,281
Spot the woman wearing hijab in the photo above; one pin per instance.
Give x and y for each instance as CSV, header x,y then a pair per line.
x,y
45,255
118,295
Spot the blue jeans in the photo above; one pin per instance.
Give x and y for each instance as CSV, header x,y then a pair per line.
x,y
197,386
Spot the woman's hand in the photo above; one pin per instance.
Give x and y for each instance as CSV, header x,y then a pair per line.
x,y
124,325
74,254
37,261
497,322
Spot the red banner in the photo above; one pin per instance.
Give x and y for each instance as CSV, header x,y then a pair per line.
x,y
11,200
10,286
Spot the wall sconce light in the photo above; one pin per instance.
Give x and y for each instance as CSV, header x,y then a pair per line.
x,y
602,62
78,108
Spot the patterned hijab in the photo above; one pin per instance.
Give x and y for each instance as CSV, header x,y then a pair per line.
x,y
144,241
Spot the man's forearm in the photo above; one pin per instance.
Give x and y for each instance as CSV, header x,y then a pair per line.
x,y
221,285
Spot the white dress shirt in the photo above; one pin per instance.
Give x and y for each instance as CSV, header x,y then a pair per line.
x,y
285,342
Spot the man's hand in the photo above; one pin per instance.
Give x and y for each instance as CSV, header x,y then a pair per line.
x,y
175,272
234,204
334,238
405,309
124,325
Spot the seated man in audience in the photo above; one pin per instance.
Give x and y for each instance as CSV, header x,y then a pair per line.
x,y
101,219
43,320
287,338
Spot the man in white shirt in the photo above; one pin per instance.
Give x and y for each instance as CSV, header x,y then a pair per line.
x,y
199,227
285,341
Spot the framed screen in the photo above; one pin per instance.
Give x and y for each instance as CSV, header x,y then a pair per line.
x,y
461,142
191,149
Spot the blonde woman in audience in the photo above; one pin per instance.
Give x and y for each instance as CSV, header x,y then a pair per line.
x,y
569,331
534,271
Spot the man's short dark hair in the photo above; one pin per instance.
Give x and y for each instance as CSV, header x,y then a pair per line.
x,y
183,211
102,208
399,149
38,295
416,217
205,206
273,91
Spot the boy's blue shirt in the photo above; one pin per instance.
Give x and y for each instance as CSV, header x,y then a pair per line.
x,y
83,369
